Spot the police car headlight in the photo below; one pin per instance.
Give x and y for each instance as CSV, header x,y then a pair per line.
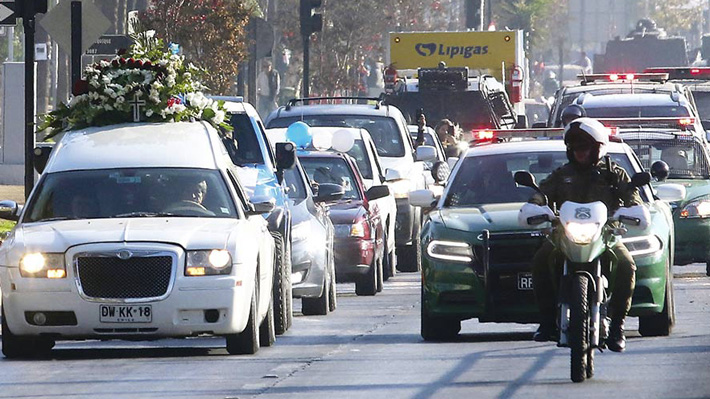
x,y
43,265
400,188
208,262
582,233
644,245
451,251
696,209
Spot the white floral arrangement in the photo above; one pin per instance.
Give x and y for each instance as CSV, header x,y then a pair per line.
x,y
147,84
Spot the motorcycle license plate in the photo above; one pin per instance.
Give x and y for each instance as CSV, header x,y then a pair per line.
x,y
525,281
126,314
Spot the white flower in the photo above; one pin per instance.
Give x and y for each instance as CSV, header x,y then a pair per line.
x,y
120,100
104,64
218,117
170,81
77,99
93,95
177,108
108,107
149,112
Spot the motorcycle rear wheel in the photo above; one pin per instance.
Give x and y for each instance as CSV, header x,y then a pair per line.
x,y
579,330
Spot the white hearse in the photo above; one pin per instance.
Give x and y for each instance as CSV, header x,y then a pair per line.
x,y
137,231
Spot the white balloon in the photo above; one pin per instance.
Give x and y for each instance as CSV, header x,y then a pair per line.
x,y
322,140
343,140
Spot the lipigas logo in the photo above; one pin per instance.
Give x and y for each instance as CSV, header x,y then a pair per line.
x,y
429,49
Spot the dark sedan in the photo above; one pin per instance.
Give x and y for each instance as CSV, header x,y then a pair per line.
x,y
359,235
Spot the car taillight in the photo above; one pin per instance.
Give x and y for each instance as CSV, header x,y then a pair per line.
x,y
360,228
686,121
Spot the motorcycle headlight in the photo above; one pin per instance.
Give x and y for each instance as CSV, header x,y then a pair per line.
x,y
696,209
644,245
400,188
450,251
43,265
208,262
582,233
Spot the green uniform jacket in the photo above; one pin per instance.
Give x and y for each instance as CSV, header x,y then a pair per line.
x,y
572,182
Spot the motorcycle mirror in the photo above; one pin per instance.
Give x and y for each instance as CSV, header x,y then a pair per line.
x,y
660,170
525,178
641,179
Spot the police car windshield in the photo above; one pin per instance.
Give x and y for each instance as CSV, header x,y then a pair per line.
x,y
489,179
139,192
384,130
686,157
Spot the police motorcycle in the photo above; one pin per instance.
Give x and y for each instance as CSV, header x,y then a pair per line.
x,y
583,232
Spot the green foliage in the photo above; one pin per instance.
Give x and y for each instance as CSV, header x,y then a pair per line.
x,y
210,32
676,16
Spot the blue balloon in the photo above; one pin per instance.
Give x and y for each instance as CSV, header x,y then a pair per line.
x,y
300,134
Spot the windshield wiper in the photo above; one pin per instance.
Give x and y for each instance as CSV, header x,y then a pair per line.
x,y
52,219
142,214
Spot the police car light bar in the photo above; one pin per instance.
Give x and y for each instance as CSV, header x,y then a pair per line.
x,y
701,73
669,122
623,77
493,135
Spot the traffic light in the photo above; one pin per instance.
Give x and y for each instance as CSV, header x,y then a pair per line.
x,y
310,22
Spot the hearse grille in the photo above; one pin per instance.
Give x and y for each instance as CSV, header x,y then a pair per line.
x,y
113,278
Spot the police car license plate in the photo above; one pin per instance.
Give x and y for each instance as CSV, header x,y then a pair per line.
x,y
126,314
525,281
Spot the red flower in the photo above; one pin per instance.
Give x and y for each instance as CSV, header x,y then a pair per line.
x,y
173,101
122,61
114,63
80,87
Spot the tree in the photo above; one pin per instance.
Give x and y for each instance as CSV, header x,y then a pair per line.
x,y
211,34
677,17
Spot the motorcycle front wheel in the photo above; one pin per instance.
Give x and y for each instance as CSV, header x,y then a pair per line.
x,y
581,360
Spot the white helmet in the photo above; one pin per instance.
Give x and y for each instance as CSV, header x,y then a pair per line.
x,y
583,132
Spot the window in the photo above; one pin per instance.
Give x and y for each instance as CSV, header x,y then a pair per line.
x,y
244,148
334,171
139,192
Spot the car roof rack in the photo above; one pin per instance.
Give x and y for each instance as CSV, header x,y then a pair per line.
x,y
306,100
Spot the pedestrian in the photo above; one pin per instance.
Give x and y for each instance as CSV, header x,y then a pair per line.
x,y
446,131
584,62
268,87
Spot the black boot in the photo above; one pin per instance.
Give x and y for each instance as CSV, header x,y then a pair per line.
x,y
616,341
546,332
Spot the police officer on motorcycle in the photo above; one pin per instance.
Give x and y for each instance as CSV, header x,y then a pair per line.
x,y
588,176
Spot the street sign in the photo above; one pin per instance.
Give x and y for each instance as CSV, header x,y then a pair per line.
x,y
7,13
57,22
109,45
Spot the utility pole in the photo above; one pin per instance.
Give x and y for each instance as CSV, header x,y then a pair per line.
x,y
310,23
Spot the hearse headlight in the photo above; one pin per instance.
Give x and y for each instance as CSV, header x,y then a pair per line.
x,y
644,245
43,265
696,209
208,262
452,251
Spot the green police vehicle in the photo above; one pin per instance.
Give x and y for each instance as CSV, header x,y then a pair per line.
x,y
477,259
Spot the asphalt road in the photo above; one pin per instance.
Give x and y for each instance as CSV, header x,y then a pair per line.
x,y
371,348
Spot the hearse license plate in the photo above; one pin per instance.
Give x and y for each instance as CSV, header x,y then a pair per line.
x,y
525,281
126,314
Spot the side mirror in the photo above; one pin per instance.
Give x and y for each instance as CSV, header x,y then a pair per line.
x,y
440,171
285,155
640,179
422,198
522,122
328,192
425,153
393,174
525,178
451,161
9,210
376,192
539,125
670,192
660,170
260,205
40,156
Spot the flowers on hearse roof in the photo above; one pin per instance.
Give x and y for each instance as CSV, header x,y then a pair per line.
x,y
146,84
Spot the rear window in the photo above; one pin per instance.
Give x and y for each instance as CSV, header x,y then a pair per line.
x,y
609,111
334,171
384,131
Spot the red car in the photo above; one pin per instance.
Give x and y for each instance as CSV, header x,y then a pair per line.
x,y
359,233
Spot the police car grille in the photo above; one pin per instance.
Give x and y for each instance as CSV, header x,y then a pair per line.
x,y
136,277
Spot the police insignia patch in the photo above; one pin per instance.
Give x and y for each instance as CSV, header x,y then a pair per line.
x,y
582,213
